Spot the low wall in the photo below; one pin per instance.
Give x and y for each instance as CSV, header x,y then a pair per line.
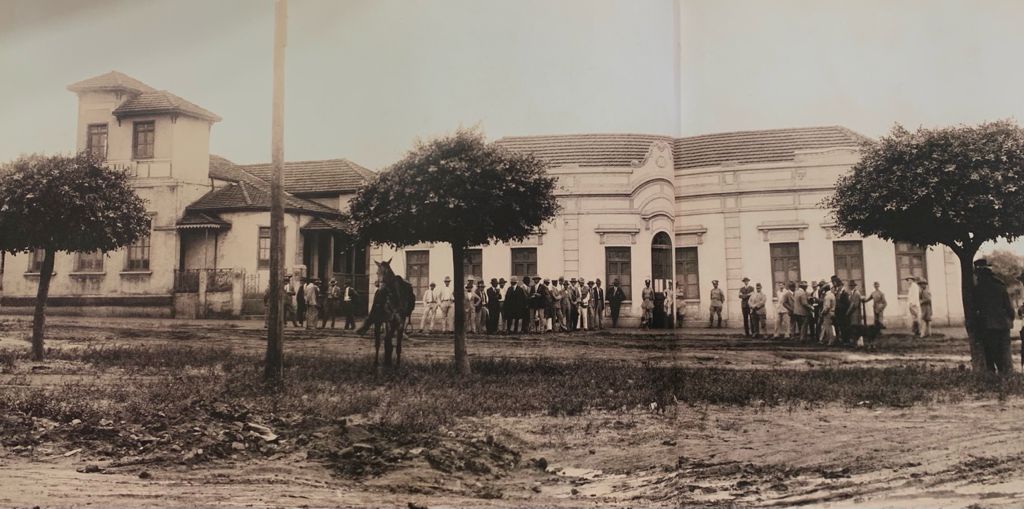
x,y
151,306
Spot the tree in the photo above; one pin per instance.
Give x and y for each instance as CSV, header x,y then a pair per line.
x,y
459,190
65,203
956,186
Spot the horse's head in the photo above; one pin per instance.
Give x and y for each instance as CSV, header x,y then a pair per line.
x,y
384,272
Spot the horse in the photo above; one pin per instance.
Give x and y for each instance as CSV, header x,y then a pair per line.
x,y
392,307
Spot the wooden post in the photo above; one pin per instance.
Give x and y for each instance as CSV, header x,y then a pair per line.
x,y
274,368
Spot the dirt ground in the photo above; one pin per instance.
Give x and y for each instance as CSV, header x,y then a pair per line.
x,y
937,455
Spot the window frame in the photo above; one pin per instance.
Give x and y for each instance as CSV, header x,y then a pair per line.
x,y
144,245
262,263
525,265
772,256
843,272
911,251
96,267
468,266
151,142
90,146
611,275
417,272
682,272
35,261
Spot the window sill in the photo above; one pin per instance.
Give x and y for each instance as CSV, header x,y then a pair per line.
x,y
37,274
83,273
129,273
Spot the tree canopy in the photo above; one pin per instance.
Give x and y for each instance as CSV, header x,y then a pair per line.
x,y
457,189
960,186
72,204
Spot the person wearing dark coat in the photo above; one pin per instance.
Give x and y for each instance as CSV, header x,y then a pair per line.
x,y
993,318
517,305
493,306
615,298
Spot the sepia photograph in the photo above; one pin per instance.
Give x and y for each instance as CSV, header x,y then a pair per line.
x,y
511,253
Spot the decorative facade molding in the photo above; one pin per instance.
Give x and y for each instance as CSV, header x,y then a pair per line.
x,y
690,235
617,233
782,230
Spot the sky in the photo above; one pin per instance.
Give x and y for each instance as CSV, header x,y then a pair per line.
x,y
366,78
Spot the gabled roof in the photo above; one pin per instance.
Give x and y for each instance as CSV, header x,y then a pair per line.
x,y
326,223
330,176
585,149
194,219
113,81
162,101
223,169
253,194
764,146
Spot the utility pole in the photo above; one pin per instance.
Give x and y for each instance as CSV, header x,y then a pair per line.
x,y
274,369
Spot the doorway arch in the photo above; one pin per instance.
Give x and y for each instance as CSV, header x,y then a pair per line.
x,y
661,280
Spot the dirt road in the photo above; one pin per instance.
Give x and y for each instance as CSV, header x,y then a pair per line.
x,y
941,455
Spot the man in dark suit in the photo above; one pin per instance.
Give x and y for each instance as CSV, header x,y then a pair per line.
x,y
597,301
993,318
493,306
615,298
516,305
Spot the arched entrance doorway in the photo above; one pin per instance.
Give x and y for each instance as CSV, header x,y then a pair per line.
x,y
661,280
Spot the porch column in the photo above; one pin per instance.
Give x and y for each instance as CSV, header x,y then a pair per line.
x,y
314,257
330,258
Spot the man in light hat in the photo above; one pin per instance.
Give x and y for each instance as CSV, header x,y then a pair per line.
x,y
332,303
914,304
585,311
430,304
717,301
878,304
446,297
744,295
800,308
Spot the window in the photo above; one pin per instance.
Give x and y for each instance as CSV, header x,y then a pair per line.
x,y
89,262
417,271
138,254
618,265
785,263
263,248
96,140
687,273
142,140
35,260
910,260
473,264
524,261
849,261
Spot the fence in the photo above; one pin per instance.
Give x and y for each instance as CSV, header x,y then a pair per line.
x,y
186,281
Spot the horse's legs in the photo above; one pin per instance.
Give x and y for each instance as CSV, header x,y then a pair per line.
x,y
398,348
388,347
376,343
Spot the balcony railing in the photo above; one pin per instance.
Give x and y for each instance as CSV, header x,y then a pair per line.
x,y
143,168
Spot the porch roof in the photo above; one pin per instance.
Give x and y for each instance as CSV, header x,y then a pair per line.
x,y
196,220
328,224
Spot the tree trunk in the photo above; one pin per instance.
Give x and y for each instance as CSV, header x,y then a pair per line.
x,y
39,318
967,296
461,360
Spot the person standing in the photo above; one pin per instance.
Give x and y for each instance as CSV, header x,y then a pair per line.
x,y
647,297
878,304
853,314
745,292
926,309
841,321
447,298
758,312
549,306
993,318
615,298
585,306
332,303
515,299
717,301
574,305
598,302
348,305
502,326
300,301
430,303
800,308
494,299
781,312
311,302
481,307
471,299
828,313
914,305
557,294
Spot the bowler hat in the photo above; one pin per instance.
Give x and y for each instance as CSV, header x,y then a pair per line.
x,y
494,281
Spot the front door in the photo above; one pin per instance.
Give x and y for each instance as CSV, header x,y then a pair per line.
x,y
661,280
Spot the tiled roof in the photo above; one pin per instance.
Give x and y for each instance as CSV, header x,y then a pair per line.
x,y
223,169
770,145
585,149
312,177
162,101
326,223
253,194
112,80
199,219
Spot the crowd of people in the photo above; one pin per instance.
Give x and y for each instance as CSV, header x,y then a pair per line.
x,y
310,301
832,312
534,305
